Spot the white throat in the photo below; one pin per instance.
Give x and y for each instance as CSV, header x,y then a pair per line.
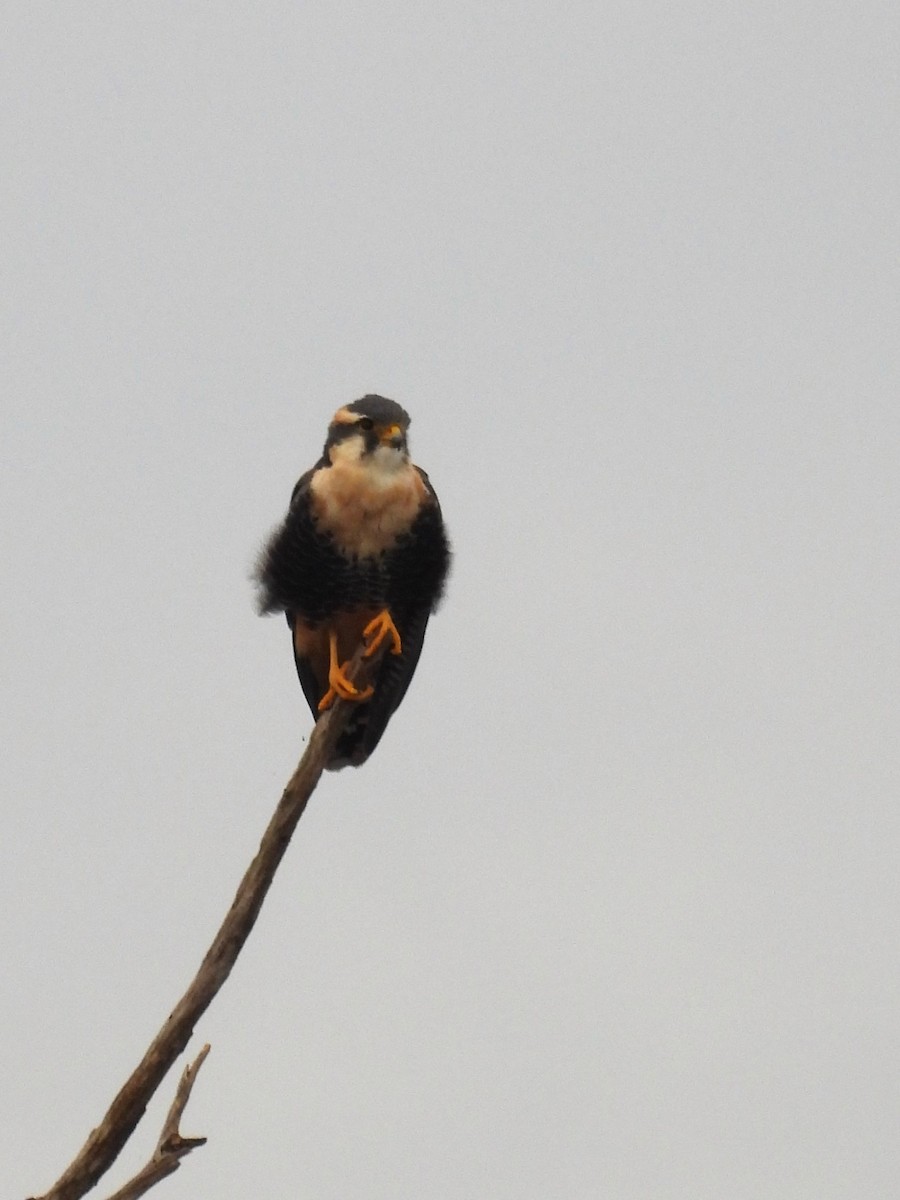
x,y
381,466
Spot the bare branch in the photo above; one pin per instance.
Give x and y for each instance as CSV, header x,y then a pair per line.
x,y
106,1141
172,1146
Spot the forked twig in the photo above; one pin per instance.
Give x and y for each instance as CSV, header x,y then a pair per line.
x,y
172,1145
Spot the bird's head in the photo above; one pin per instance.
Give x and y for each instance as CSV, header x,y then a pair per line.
x,y
370,432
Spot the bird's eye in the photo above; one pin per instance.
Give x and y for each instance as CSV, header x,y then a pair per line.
x,y
366,423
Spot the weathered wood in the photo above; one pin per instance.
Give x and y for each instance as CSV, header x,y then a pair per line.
x,y
106,1141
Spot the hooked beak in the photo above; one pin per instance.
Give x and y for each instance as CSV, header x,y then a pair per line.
x,y
391,435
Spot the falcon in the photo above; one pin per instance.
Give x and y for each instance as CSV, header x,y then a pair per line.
x,y
362,556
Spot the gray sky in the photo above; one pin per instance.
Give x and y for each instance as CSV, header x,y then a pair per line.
x,y
613,910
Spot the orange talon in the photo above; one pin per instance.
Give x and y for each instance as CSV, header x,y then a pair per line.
x,y
338,683
378,629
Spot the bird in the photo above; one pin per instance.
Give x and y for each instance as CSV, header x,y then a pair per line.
x,y
362,556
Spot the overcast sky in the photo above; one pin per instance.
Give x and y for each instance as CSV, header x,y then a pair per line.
x,y
613,912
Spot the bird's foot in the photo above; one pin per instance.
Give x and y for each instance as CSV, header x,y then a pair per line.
x,y
339,686
377,630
